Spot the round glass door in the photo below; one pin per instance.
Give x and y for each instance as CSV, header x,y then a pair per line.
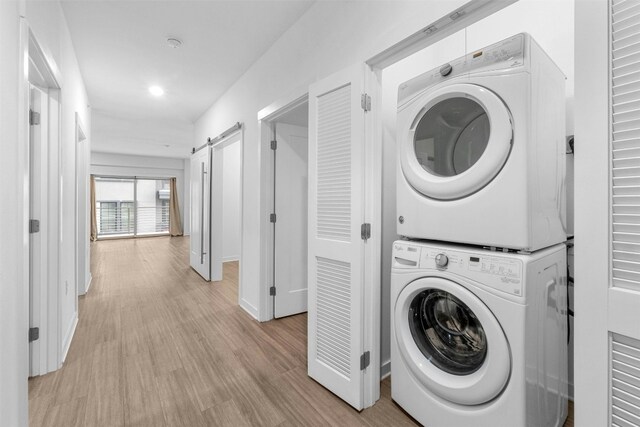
x,y
447,332
451,136
459,139
450,341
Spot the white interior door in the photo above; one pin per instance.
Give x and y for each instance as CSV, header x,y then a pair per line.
x,y
337,329
624,286
291,184
38,132
200,212
607,214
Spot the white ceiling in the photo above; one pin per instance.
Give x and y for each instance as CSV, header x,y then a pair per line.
x,y
121,48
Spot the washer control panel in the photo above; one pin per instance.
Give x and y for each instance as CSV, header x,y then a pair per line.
x,y
502,272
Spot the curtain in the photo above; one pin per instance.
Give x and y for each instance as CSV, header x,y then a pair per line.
x,y
175,225
92,201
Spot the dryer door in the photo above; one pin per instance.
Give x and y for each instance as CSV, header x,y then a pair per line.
x,y
457,142
451,341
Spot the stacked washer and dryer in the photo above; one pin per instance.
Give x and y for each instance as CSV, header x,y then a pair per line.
x,y
478,288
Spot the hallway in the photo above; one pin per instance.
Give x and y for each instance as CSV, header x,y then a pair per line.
x,y
156,345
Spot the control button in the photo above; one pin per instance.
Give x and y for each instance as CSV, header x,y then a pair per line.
x,y
445,70
442,260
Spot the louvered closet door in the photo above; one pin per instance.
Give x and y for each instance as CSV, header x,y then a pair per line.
x,y
336,251
624,291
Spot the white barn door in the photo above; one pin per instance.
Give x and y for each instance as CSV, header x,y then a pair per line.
x,y
200,257
337,263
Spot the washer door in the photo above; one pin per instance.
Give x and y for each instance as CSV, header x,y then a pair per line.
x,y
458,141
451,341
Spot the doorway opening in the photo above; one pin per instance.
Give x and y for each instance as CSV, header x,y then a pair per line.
x,y
287,192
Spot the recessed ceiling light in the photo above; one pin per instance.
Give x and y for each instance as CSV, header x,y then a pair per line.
x,y
174,43
156,90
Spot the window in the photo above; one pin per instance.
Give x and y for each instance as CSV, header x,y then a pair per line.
x,y
115,217
132,206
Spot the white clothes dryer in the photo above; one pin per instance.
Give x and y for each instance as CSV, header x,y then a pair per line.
x,y
479,337
481,150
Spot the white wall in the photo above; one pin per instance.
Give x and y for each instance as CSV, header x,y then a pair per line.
x,y
231,202
159,167
551,25
14,351
83,153
120,134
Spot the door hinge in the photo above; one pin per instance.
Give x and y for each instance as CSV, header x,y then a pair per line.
x,y
364,360
365,231
272,218
274,145
34,118
34,226
365,102
272,291
34,334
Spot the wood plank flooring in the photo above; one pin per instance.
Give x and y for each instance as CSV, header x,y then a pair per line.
x,y
158,346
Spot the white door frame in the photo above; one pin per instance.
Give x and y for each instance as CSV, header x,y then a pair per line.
x,y
266,119
82,210
43,70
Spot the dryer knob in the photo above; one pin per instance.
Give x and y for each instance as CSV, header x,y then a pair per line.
x,y
442,260
445,70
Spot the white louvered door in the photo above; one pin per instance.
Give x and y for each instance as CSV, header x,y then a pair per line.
x,y
336,251
624,291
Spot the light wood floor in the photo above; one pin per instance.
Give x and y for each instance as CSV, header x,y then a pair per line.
x,y
158,346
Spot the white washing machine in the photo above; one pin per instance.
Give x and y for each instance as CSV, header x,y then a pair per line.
x,y
479,337
481,148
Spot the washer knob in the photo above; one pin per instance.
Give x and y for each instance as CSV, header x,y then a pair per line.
x,y
442,260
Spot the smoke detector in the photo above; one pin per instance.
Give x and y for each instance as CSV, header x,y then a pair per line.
x,y
174,43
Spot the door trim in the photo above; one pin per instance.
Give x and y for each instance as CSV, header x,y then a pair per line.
x,y
53,345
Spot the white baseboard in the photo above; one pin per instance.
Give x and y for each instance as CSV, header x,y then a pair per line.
x,y
571,391
385,369
230,258
69,337
86,288
88,285
249,308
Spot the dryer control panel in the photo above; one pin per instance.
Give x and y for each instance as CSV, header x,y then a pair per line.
x,y
507,54
500,272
